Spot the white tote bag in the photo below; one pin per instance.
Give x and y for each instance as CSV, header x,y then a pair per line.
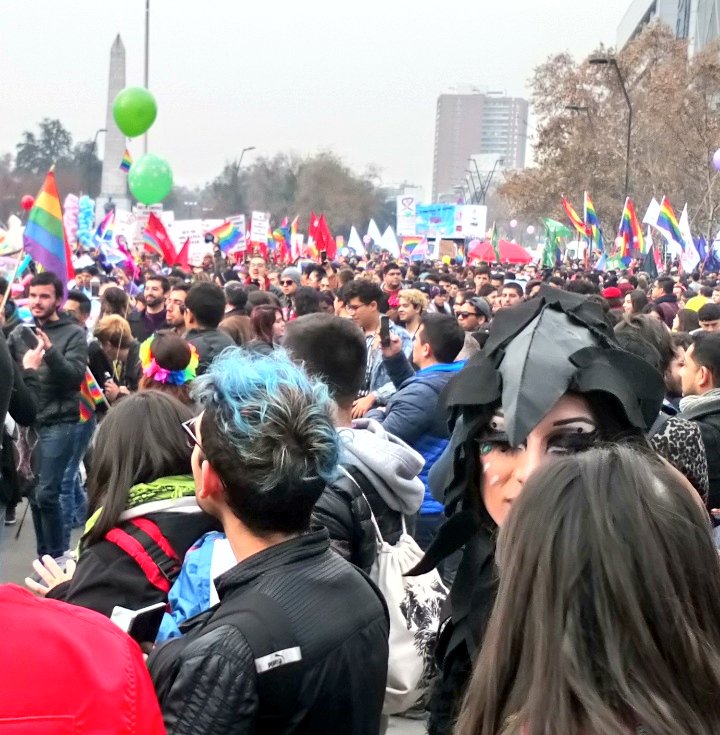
x,y
414,607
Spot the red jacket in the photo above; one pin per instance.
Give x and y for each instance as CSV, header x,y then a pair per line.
x,y
70,671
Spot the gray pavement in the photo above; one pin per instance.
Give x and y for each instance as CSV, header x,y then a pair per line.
x,y
16,555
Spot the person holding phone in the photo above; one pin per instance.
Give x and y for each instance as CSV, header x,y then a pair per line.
x,y
362,300
60,374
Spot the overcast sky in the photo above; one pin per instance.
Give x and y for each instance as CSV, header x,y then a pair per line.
x,y
358,78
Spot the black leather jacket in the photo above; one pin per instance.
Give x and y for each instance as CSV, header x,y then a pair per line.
x,y
207,683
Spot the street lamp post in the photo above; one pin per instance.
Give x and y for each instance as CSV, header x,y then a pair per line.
x,y
147,62
474,195
579,109
485,185
243,152
612,61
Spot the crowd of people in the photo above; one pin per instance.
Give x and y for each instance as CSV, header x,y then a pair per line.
x,y
246,448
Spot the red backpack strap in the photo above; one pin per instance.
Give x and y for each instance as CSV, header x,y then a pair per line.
x,y
143,541
153,530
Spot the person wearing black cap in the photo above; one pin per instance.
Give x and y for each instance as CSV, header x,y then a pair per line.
x,y
473,314
514,407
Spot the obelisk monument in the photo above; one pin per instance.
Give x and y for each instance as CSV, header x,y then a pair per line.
x,y
114,180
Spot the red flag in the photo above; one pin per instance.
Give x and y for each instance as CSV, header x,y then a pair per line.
x,y
326,241
182,257
158,241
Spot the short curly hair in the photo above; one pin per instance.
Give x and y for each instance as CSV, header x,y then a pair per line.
x,y
415,297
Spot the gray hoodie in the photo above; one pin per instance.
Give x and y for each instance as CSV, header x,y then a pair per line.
x,y
388,463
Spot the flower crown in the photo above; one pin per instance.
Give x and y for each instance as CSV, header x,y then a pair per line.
x,y
160,374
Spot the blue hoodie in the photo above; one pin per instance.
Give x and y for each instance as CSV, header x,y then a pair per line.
x,y
413,415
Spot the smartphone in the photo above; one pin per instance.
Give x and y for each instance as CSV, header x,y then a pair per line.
x,y
323,256
384,331
29,336
141,625
95,289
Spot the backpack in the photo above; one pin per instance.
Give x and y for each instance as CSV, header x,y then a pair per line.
x,y
143,541
414,609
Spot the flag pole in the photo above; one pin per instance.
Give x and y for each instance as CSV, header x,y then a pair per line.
x,y
11,280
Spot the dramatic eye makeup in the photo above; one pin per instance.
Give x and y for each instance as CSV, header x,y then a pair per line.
x,y
571,435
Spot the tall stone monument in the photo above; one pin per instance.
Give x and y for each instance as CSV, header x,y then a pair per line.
x,y
114,189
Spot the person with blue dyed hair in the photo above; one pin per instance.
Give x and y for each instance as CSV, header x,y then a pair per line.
x,y
281,650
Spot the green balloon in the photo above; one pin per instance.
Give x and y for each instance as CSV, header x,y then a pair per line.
x,y
134,110
150,179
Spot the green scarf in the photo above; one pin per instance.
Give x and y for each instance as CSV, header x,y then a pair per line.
x,y
164,488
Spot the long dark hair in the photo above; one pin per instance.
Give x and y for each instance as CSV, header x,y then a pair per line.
x,y
608,612
263,318
141,440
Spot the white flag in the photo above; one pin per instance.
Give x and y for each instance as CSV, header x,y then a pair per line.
x,y
690,257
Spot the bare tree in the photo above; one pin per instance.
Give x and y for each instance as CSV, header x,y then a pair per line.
x,y
676,128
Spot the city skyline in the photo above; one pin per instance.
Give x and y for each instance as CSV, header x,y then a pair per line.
x,y
362,83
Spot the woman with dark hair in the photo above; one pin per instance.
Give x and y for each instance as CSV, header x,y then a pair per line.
x,y
686,320
550,381
268,326
143,511
169,365
114,301
634,302
607,618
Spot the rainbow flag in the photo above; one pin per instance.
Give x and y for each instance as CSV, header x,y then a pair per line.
x,y
591,219
630,232
409,243
668,221
575,218
44,236
151,244
127,161
226,235
91,396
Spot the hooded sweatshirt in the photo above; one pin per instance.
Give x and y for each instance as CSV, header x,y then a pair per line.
x,y
391,466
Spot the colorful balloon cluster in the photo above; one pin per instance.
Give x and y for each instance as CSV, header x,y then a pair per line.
x,y
85,221
150,177
71,210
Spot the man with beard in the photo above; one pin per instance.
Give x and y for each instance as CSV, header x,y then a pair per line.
x,y
175,308
60,374
392,283
145,324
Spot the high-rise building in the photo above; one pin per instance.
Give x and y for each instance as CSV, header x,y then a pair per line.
x,y
696,20
470,123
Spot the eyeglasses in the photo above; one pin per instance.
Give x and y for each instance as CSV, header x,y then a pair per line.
x,y
287,283
351,309
465,314
189,428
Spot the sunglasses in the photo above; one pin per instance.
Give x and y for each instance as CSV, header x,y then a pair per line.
x,y
287,283
464,314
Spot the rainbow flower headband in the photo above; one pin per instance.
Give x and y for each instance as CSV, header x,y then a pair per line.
x,y
175,377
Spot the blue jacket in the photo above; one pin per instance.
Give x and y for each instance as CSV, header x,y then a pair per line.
x,y
412,414
192,592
